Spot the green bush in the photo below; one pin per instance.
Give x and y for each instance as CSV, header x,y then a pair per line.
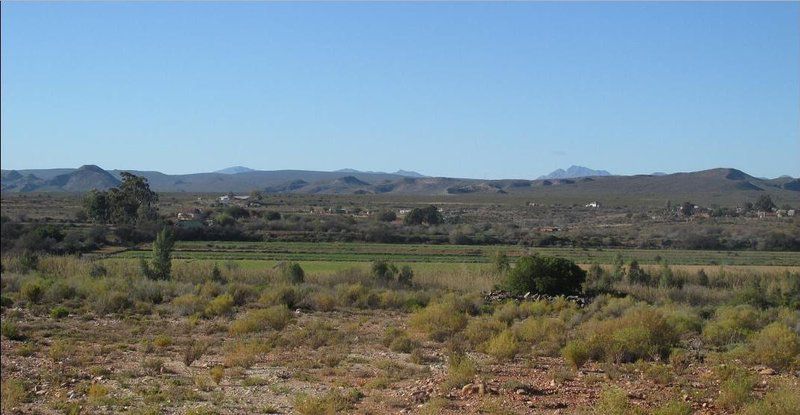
x,y
545,275
614,401
59,312
481,329
440,320
736,389
188,304
775,346
221,305
32,291
10,330
293,273
673,407
504,346
275,317
732,324
547,335
641,333
783,401
576,353
383,271
460,371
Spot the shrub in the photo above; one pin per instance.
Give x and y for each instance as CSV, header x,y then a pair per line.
x,y
641,333
112,302
32,291
188,304
736,390
545,275
28,261
293,273
576,353
782,401
732,324
460,371
162,341
673,407
193,351
481,329
13,394
321,301
96,392
216,373
59,312
282,294
547,335
331,403
406,276
10,330
221,305
440,320
383,271
614,401
504,346
276,317
507,313
97,270
776,346
244,353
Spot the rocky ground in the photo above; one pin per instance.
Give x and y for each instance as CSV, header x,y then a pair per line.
x,y
105,365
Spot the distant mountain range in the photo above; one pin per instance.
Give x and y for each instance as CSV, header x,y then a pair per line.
x,y
574,172
707,186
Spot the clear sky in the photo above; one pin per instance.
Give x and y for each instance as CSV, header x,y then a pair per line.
x,y
510,90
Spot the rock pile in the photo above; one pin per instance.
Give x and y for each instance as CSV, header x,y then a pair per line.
x,y
501,295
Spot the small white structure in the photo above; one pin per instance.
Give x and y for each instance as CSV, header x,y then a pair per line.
x,y
593,204
790,212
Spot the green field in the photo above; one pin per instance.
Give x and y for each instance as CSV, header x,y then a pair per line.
x,y
349,253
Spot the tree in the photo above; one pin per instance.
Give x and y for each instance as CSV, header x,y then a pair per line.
x,y
97,206
429,215
132,200
545,275
386,216
160,265
687,209
764,204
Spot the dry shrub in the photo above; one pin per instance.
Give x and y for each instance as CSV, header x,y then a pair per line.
x,y
276,317
641,333
460,371
219,306
546,335
481,329
733,324
775,346
504,346
243,354
441,320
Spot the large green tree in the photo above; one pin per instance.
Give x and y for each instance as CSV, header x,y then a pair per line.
x,y
428,215
132,200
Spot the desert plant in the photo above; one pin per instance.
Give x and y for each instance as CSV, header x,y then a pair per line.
x,y
504,346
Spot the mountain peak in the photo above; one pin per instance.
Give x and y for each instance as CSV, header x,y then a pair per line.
x,y
574,172
235,170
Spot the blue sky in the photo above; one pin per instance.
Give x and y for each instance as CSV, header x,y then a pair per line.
x,y
510,90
